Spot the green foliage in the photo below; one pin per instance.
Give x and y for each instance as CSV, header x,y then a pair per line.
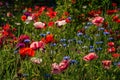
x,y
13,67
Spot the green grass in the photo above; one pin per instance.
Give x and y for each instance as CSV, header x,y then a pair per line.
x,y
13,67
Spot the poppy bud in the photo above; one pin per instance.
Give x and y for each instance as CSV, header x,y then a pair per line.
x,y
111,44
106,64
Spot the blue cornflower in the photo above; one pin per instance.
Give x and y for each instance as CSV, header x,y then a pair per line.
x,y
97,42
86,36
64,45
91,50
118,63
16,51
90,38
106,33
100,42
100,29
89,23
62,40
26,40
70,18
110,38
73,62
70,40
79,34
47,75
99,48
43,35
48,32
97,34
74,39
79,42
53,44
66,57
91,47
86,27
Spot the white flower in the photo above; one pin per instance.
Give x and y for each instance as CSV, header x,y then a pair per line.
x,y
61,23
36,60
29,18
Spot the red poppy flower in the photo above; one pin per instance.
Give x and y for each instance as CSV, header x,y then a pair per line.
x,y
51,14
49,38
118,20
111,50
26,52
49,9
106,64
93,13
5,33
105,24
67,20
43,40
110,12
115,55
50,24
36,7
41,9
115,18
23,37
66,13
111,44
29,9
114,4
6,27
23,17
73,1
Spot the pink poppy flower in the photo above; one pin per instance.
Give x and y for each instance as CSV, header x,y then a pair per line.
x,y
98,21
37,45
55,68
58,68
39,25
106,64
90,56
63,65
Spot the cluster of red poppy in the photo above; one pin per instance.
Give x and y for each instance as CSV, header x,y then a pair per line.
x,y
111,48
116,19
28,49
34,15
6,34
37,12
